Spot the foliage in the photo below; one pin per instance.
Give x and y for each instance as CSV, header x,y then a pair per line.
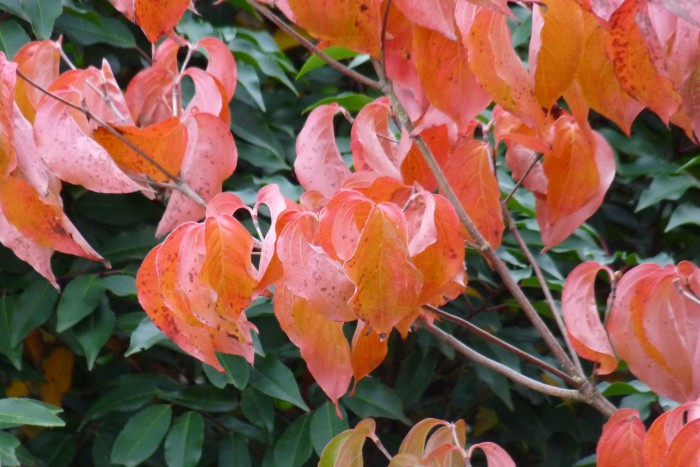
x,y
298,241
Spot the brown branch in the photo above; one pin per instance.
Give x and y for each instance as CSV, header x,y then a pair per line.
x,y
181,185
501,343
535,160
308,45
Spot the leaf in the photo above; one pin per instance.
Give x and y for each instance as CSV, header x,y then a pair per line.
x,y
682,215
581,317
39,61
554,57
314,62
258,409
58,375
367,352
33,308
437,15
683,449
373,145
496,456
318,164
414,442
445,75
209,144
273,378
93,332
91,28
141,435
145,336
18,411
470,174
42,14
79,299
158,17
622,438
387,283
665,187
346,448
374,399
8,447
120,285
293,448
637,59
325,424
164,142
183,445
221,64
203,398
233,450
12,37
130,395
685,9
353,24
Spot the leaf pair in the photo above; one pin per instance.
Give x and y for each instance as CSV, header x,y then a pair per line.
x,y
671,440
651,325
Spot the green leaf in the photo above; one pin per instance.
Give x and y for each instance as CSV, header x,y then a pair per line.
x,y
42,14
665,187
13,353
233,450
183,445
350,101
93,331
683,214
271,377
130,245
120,285
237,369
54,448
120,210
141,435
8,445
253,128
90,28
248,78
34,307
258,409
325,425
204,398
20,411
12,38
374,399
145,336
80,297
315,62
294,446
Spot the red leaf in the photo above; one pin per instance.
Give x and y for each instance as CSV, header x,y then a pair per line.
x,y
622,438
414,168
470,174
159,17
209,144
164,142
554,65
63,142
221,64
447,80
496,456
437,15
328,359
652,327
353,24
387,283
368,351
318,165
209,95
374,146
582,319
684,448
497,67
637,59
571,217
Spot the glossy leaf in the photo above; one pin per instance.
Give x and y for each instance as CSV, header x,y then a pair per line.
x,y
141,435
581,317
273,378
19,411
80,297
324,425
183,445
293,448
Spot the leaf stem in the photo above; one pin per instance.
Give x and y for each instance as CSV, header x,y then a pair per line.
x,y
535,160
333,63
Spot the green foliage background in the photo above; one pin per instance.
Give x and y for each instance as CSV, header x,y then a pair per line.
x,y
134,398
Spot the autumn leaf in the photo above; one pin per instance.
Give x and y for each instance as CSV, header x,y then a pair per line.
x,y
374,147
220,64
622,438
367,351
496,456
437,15
38,61
158,17
346,448
341,222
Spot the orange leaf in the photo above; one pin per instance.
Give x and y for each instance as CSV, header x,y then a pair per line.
x,y
353,24
220,64
38,61
414,442
346,448
554,57
414,168
341,222
447,80
496,456
437,15
8,77
374,146
471,176
387,283
684,448
637,59
38,256
164,142
622,438
158,17
583,324
368,351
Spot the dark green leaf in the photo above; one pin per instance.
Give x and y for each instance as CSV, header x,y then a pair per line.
x,y
325,424
258,409
54,448
8,446
204,398
248,79
93,331
12,37
20,411
237,369
42,14
233,450
315,62
183,445
683,214
91,28
142,435
293,448
145,336
271,377
80,297
33,308
119,210
665,187
130,245
120,285
374,399
14,354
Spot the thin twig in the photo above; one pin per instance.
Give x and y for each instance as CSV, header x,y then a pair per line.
x,y
501,343
181,185
497,366
535,160
543,285
385,21
333,63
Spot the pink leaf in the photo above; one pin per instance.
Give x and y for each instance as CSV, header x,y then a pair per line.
x,y
496,456
622,438
437,15
221,64
374,146
318,165
582,319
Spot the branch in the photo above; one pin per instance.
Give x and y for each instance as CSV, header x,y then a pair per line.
x,y
501,343
181,185
308,45
500,368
